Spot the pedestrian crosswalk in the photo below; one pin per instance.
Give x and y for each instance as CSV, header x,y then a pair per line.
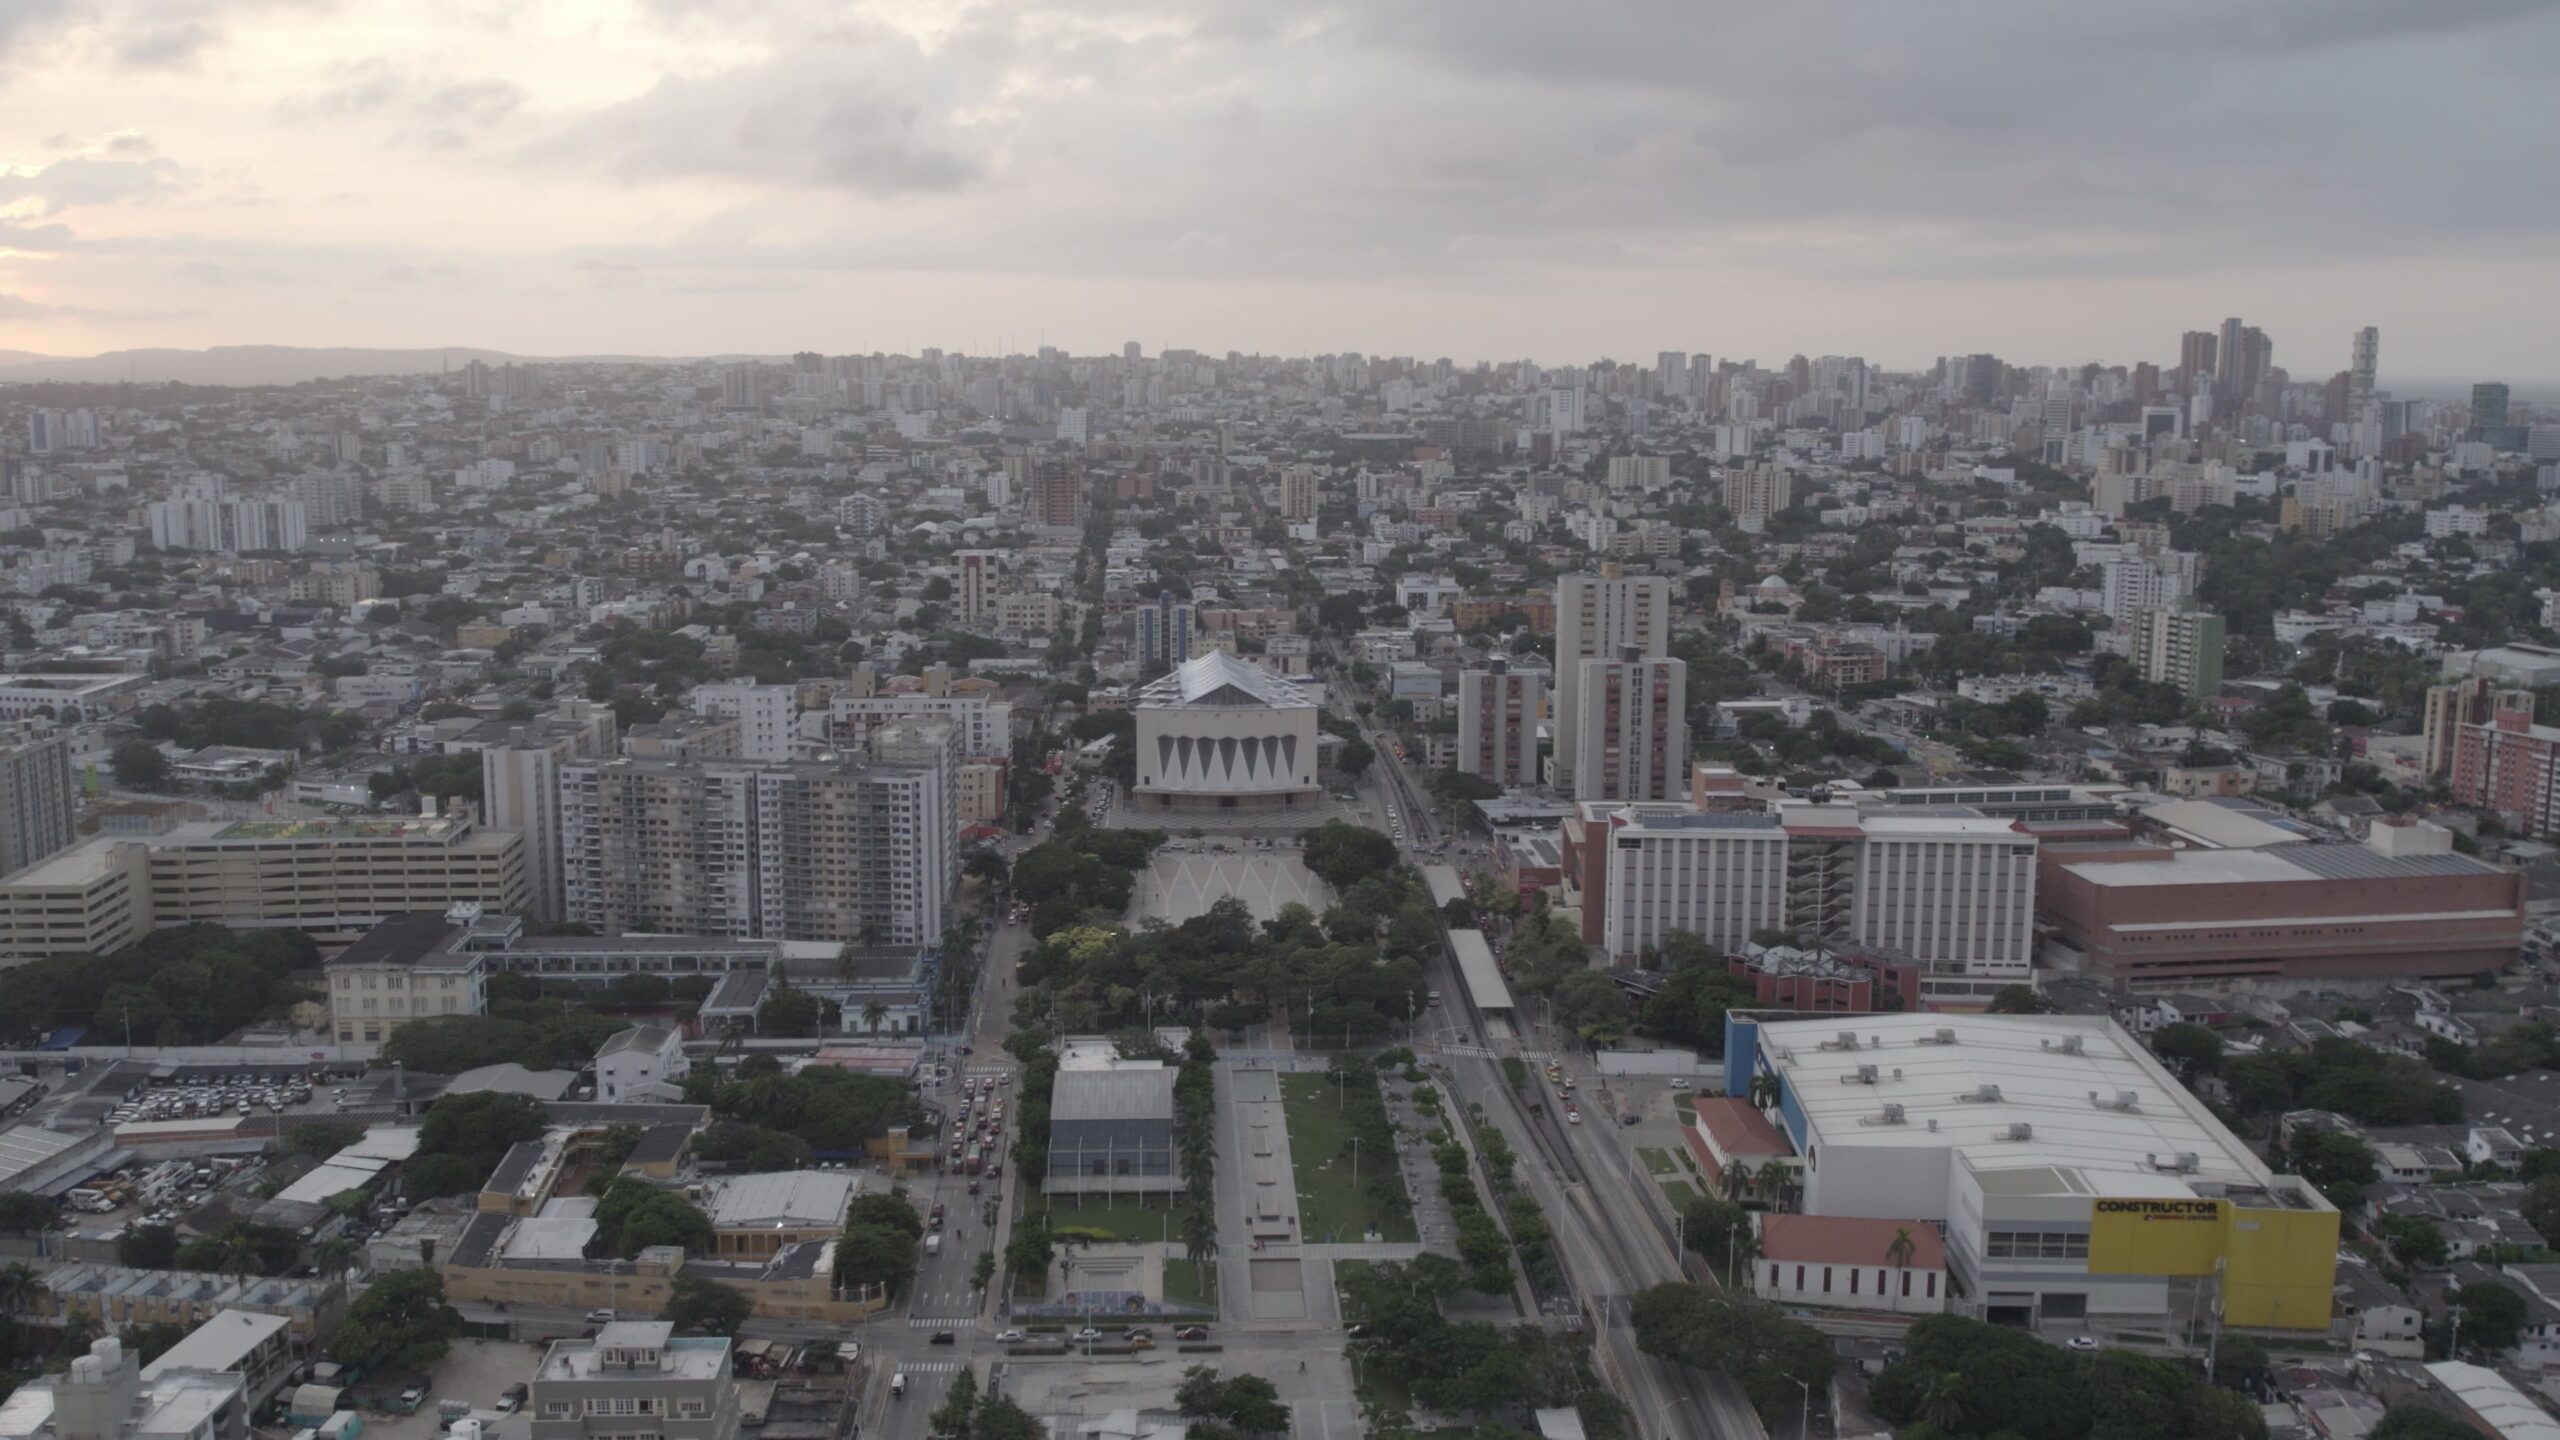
x,y
931,1367
961,1323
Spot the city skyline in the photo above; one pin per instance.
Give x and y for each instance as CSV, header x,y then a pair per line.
x,y
2055,187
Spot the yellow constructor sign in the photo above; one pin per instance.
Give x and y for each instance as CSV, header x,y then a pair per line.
x,y
2277,1266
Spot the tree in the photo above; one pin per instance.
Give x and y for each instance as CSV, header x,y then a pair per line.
x,y
2493,1314
2019,1000
322,1138
1593,1005
139,765
953,1418
402,1318
639,991
2189,1049
706,1307
982,1270
1342,854
20,1286
1028,1253
1248,1403
2541,1207
1000,1419
790,1013
635,1215
147,1343
2416,1422
148,1247
24,1214
2413,1241
1766,1353
2328,1157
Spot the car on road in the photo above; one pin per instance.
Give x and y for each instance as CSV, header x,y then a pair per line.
x,y
1356,1332
1087,1334
1010,1337
1138,1332
2083,1342
1573,1117
599,1317
1192,1332
944,1337
898,1384
1679,1082
512,1401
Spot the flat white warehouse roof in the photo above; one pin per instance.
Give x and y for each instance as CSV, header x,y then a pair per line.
x,y
1993,1072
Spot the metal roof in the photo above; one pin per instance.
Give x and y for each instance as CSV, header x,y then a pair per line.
x,y
2358,862
1113,1095
25,1147
801,1197
1219,678
1476,966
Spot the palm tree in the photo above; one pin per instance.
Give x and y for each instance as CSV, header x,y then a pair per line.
x,y
1741,1247
1899,1250
1940,1403
1763,1091
1735,1181
20,1284
1199,1235
873,1013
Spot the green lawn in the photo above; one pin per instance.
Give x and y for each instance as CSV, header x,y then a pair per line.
x,y
1684,1100
1195,1284
1679,1193
1329,1204
1124,1219
1657,1161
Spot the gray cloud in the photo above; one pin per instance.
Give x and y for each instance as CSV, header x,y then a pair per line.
x,y
861,110
410,106
19,307
80,180
165,47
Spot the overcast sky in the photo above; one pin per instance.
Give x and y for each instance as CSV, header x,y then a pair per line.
x,y
2052,180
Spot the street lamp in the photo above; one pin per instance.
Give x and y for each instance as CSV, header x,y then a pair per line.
x,y
1804,1420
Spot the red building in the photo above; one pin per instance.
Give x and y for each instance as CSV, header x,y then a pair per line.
x,y
1830,982
2510,765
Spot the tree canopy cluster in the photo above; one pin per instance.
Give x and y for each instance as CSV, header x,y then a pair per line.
x,y
402,1317
189,985
1357,972
539,1034
634,1215
463,1139
1765,1352
831,1111
881,1241
1961,1377
2355,1080
1462,1367
1068,879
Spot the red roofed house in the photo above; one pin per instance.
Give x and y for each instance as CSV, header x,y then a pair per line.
x,y
1844,1262
1733,1132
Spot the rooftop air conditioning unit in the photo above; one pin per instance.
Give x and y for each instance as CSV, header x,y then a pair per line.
x,y
1848,1039
1867,1074
2021,1130
1986,1095
1945,1036
2073,1045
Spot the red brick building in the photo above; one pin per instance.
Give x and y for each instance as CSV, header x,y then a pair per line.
x,y
2161,919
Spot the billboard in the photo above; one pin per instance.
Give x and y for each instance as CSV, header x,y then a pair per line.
x,y
2155,1237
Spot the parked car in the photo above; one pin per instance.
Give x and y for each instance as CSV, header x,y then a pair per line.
x,y
1192,1332
1087,1334
1010,1337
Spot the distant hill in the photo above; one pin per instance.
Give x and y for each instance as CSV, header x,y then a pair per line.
x,y
259,364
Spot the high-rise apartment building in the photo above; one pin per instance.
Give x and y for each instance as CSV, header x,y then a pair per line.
x,y
2196,357
1639,472
201,520
1162,631
1298,494
843,850
1598,617
2364,357
1498,724
36,796
1755,492
2510,765
1631,740
767,715
2488,406
1057,496
2456,704
520,787
2133,583
2181,648
976,592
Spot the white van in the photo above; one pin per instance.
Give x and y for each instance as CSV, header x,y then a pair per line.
x,y
898,1385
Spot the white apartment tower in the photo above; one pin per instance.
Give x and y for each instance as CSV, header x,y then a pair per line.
x,y
1631,739
765,715
1598,617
